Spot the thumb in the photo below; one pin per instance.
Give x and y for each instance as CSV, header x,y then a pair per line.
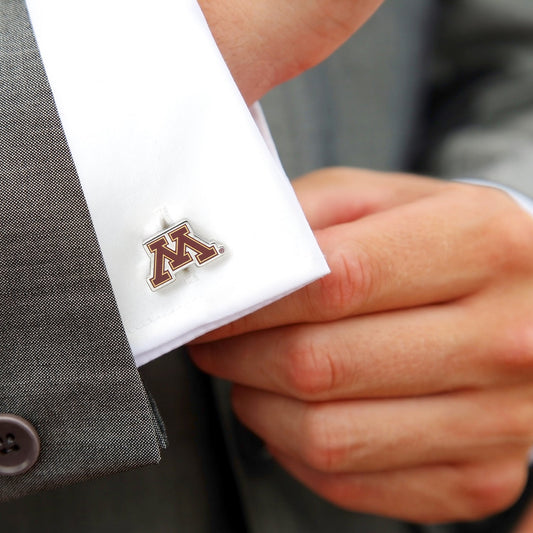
x,y
267,42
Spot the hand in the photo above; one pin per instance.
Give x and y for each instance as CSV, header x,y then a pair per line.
x,y
400,384
266,42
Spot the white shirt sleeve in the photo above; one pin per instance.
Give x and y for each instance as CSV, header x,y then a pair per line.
x,y
160,135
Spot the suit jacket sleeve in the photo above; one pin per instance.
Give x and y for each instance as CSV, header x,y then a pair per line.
x,y
481,119
65,364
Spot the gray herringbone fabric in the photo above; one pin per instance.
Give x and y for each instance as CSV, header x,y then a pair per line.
x,y
65,364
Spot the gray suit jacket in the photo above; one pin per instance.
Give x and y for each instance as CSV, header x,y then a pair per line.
x,y
440,87
65,365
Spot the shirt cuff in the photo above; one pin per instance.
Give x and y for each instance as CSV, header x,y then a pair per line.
x,y
171,163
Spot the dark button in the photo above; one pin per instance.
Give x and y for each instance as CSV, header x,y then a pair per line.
x,y
19,445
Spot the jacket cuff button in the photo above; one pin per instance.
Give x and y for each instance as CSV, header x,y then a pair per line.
x,y
19,445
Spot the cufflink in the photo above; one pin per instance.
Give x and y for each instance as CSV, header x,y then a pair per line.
x,y
174,249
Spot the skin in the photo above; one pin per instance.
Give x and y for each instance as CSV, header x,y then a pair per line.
x,y
401,383
267,42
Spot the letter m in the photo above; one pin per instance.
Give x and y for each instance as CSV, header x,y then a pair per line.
x,y
173,250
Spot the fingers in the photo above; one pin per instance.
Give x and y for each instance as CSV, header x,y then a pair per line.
x,y
378,435
405,353
484,342
338,195
429,494
411,255
266,42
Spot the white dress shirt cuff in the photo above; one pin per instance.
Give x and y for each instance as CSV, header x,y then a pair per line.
x,y
160,134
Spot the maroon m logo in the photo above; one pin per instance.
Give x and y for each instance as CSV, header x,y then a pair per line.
x,y
173,250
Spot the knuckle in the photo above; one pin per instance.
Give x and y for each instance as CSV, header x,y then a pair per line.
x,y
508,245
515,352
515,425
513,239
349,285
321,451
308,371
507,420
492,488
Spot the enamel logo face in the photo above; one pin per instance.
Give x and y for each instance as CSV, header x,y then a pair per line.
x,y
174,249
